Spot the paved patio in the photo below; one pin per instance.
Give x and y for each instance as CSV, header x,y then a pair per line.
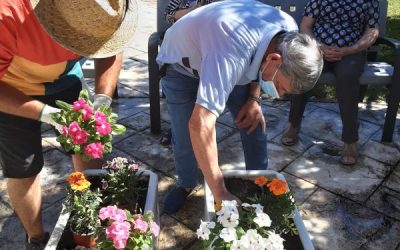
x,y
344,207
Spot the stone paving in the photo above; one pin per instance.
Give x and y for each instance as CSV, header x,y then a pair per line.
x,y
344,207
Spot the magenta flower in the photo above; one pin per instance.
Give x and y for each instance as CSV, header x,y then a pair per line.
x,y
87,113
99,117
106,212
79,137
155,228
133,167
119,244
140,224
73,128
94,150
79,104
103,128
64,131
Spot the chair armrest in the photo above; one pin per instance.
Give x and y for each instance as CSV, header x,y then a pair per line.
x,y
392,42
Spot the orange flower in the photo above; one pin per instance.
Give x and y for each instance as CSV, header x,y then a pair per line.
x,y
217,206
277,187
261,181
78,181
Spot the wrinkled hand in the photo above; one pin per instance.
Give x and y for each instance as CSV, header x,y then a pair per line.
x,y
332,54
45,116
249,116
101,99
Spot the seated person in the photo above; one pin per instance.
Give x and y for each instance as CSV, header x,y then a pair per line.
x,y
344,29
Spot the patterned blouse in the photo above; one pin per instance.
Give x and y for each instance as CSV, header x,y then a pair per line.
x,y
341,23
175,5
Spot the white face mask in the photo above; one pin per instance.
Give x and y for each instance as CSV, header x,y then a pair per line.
x,y
268,87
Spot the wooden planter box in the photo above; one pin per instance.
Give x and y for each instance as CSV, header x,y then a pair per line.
x,y
301,241
61,232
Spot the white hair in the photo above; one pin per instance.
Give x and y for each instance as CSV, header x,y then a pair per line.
x,y
302,60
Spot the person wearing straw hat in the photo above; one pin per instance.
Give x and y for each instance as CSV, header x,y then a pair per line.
x,y
41,44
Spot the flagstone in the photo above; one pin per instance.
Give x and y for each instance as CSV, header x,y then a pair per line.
x,y
174,235
276,121
149,150
327,126
381,152
302,189
387,201
57,166
320,165
337,223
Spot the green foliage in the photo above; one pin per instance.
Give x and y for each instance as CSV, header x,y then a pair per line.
x,y
83,206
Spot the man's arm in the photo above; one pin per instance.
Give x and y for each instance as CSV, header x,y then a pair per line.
x,y
15,102
204,143
107,73
367,40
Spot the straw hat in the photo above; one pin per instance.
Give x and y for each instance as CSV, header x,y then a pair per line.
x,y
93,28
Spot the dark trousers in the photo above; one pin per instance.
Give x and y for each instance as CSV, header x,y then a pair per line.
x,y
347,72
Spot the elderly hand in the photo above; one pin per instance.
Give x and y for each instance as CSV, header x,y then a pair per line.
x,y
249,116
45,116
101,99
332,54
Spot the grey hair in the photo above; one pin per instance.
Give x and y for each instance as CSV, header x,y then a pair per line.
x,y
302,60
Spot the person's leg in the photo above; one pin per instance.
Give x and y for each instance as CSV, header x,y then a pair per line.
x,y
21,160
180,92
254,144
348,72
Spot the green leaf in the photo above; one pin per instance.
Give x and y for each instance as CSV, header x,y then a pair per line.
x,y
84,94
118,129
63,105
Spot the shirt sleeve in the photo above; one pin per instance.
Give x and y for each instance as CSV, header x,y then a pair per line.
x,y
219,74
373,14
8,42
312,9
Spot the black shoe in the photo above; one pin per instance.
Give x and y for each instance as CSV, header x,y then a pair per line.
x,y
36,244
175,199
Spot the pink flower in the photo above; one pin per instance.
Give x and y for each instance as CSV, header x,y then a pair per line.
x,y
79,104
73,128
87,112
155,228
140,224
64,130
118,231
119,244
118,215
104,184
79,137
103,128
133,167
106,212
100,117
94,150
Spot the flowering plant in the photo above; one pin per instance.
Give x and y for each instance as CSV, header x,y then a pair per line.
x,y
121,229
123,183
86,131
254,225
82,203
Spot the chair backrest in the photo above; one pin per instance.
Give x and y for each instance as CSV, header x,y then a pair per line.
x,y
295,8
161,22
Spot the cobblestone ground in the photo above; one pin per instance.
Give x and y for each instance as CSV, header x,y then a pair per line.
x,y
344,207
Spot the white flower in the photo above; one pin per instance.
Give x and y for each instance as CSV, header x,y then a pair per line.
x,y
258,207
229,219
273,242
262,219
236,245
246,205
251,240
203,232
228,234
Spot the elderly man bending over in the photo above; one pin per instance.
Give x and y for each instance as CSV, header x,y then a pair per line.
x,y
220,55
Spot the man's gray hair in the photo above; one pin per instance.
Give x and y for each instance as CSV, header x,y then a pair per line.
x,y
302,60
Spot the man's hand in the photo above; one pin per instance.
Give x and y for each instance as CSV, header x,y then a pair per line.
x,y
45,116
101,99
249,116
332,54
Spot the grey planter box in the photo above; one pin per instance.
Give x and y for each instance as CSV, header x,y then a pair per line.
x,y
151,205
251,175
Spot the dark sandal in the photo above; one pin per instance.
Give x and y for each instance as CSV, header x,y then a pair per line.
x,y
291,136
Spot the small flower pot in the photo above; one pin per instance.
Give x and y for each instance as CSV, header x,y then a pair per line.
x,y
62,237
300,241
84,240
